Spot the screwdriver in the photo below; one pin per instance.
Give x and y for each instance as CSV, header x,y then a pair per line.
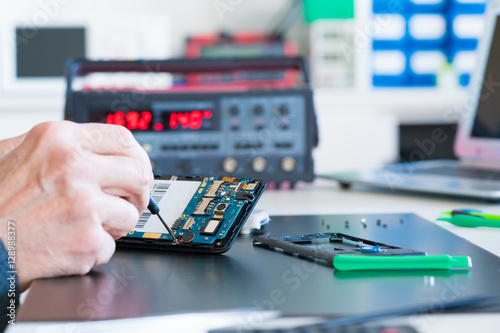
x,y
155,210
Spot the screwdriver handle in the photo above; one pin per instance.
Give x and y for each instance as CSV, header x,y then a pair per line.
x,y
153,206
347,262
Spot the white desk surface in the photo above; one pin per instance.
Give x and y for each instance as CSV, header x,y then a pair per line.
x,y
324,197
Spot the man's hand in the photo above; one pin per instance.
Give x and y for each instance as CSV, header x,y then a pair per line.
x,y
71,190
6,146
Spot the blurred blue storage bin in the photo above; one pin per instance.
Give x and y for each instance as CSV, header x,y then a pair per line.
x,y
464,80
424,80
391,32
455,46
427,6
465,30
464,63
424,66
462,44
467,6
427,31
390,68
389,6
387,81
451,26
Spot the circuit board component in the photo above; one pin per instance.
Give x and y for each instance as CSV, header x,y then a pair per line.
x,y
216,210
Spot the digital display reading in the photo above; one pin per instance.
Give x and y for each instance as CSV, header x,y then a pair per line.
x,y
189,120
139,121
132,120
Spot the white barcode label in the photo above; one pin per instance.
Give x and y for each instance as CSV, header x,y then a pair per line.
x,y
142,220
157,193
172,197
159,190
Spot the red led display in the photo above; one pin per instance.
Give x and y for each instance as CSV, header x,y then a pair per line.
x,y
188,120
132,120
138,121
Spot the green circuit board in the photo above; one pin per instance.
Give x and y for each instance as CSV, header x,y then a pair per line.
x,y
216,208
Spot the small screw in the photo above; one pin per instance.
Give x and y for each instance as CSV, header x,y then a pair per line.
x,y
379,222
401,221
328,226
384,226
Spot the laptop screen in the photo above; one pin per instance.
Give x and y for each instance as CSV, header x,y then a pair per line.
x,y
487,122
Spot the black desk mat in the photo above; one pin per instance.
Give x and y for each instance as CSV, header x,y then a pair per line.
x,y
141,283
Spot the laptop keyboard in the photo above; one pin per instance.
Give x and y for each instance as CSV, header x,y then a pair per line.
x,y
461,172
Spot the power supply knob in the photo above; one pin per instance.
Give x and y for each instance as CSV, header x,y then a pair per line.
x,y
234,110
259,164
288,163
283,110
229,165
258,110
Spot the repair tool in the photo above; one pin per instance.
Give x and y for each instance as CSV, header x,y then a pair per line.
x,y
470,218
344,252
155,210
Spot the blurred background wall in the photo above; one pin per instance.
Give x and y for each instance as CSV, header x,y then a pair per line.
x,y
384,71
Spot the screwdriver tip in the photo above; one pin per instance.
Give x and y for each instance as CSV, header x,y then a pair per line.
x,y
155,210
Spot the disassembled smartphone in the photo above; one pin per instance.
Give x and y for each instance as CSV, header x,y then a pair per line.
x,y
323,247
205,213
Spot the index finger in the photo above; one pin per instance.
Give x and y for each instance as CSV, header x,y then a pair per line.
x,y
104,139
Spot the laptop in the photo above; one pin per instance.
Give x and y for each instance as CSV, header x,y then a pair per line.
x,y
477,142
